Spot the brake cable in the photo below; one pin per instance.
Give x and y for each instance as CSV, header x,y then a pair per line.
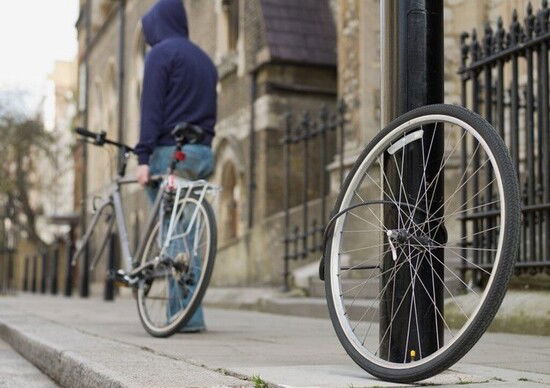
x,y
330,225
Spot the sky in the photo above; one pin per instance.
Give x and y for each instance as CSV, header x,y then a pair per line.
x,y
33,35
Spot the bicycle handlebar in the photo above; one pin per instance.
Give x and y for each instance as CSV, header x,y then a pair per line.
x,y
100,138
84,132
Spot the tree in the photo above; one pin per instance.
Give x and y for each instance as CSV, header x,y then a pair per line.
x,y
24,143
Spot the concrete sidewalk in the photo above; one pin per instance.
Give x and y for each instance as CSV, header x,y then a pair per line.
x,y
16,372
91,343
521,312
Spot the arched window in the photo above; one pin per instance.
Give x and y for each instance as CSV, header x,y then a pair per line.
x,y
232,14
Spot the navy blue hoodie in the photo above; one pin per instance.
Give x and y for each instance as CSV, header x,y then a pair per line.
x,y
179,84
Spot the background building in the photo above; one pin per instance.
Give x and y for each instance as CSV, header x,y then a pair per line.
x,y
274,57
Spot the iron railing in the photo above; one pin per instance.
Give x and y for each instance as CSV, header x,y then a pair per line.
x,y
505,78
309,147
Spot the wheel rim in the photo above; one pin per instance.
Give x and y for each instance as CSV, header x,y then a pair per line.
x,y
160,303
342,295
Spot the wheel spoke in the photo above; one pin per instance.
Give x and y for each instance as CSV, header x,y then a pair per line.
x,y
430,244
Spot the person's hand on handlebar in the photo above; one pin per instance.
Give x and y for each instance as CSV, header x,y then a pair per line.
x,y
142,174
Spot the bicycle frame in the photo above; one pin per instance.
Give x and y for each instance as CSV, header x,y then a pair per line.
x,y
184,189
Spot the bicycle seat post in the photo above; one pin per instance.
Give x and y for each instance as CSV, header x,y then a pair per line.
x,y
123,155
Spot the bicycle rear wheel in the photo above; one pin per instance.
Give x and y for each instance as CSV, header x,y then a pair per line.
x,y
171,291
384,255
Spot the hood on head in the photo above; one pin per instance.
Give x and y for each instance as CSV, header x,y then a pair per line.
x,y
166,19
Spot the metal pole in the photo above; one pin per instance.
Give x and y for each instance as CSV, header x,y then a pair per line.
x,y
11,269
323,128
3,271
389,89
54,269
287,141
252,148
412,66
85,280
34,269
109,293
68,265
45,270
26,270
121,78
305,137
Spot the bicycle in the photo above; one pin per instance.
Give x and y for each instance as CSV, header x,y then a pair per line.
x,y
388,232
172,265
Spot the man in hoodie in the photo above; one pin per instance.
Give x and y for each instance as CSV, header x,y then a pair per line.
x,y
179,85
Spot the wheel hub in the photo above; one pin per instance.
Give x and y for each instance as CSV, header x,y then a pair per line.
x,y
401,237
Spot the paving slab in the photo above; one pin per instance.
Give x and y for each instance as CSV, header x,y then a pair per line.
x,y
16,372
282,350
75,358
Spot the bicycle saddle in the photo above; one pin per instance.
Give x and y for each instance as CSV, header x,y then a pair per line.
x,y
186,133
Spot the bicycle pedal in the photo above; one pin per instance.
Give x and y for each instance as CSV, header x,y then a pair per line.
x,y
121,279
118,283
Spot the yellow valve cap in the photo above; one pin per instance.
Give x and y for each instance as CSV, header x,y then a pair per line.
x,y
413,354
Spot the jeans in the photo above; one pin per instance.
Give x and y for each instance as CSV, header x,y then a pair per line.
x,y
198,164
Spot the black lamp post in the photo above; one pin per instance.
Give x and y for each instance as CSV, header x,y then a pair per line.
x,y
412,66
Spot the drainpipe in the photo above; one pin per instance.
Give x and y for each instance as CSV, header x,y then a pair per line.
x,y
121,70
252,147
85,280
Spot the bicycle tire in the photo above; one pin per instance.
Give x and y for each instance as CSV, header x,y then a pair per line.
x,y
495,291
199,293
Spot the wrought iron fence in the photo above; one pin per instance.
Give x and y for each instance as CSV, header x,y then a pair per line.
x,y
505,78
312,141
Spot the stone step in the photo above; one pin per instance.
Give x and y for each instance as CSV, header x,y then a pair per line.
x,y
76,358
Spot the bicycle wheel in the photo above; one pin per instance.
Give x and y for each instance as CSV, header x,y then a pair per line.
x,y
399,262
171,291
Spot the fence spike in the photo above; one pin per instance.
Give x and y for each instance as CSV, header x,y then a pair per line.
x,y
529,22
474,47
517,34
323,119
538,24
339,117
545,16
296,241
315,227
500,36
464,48
287,138
341,109
513,28
488,40
305,125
